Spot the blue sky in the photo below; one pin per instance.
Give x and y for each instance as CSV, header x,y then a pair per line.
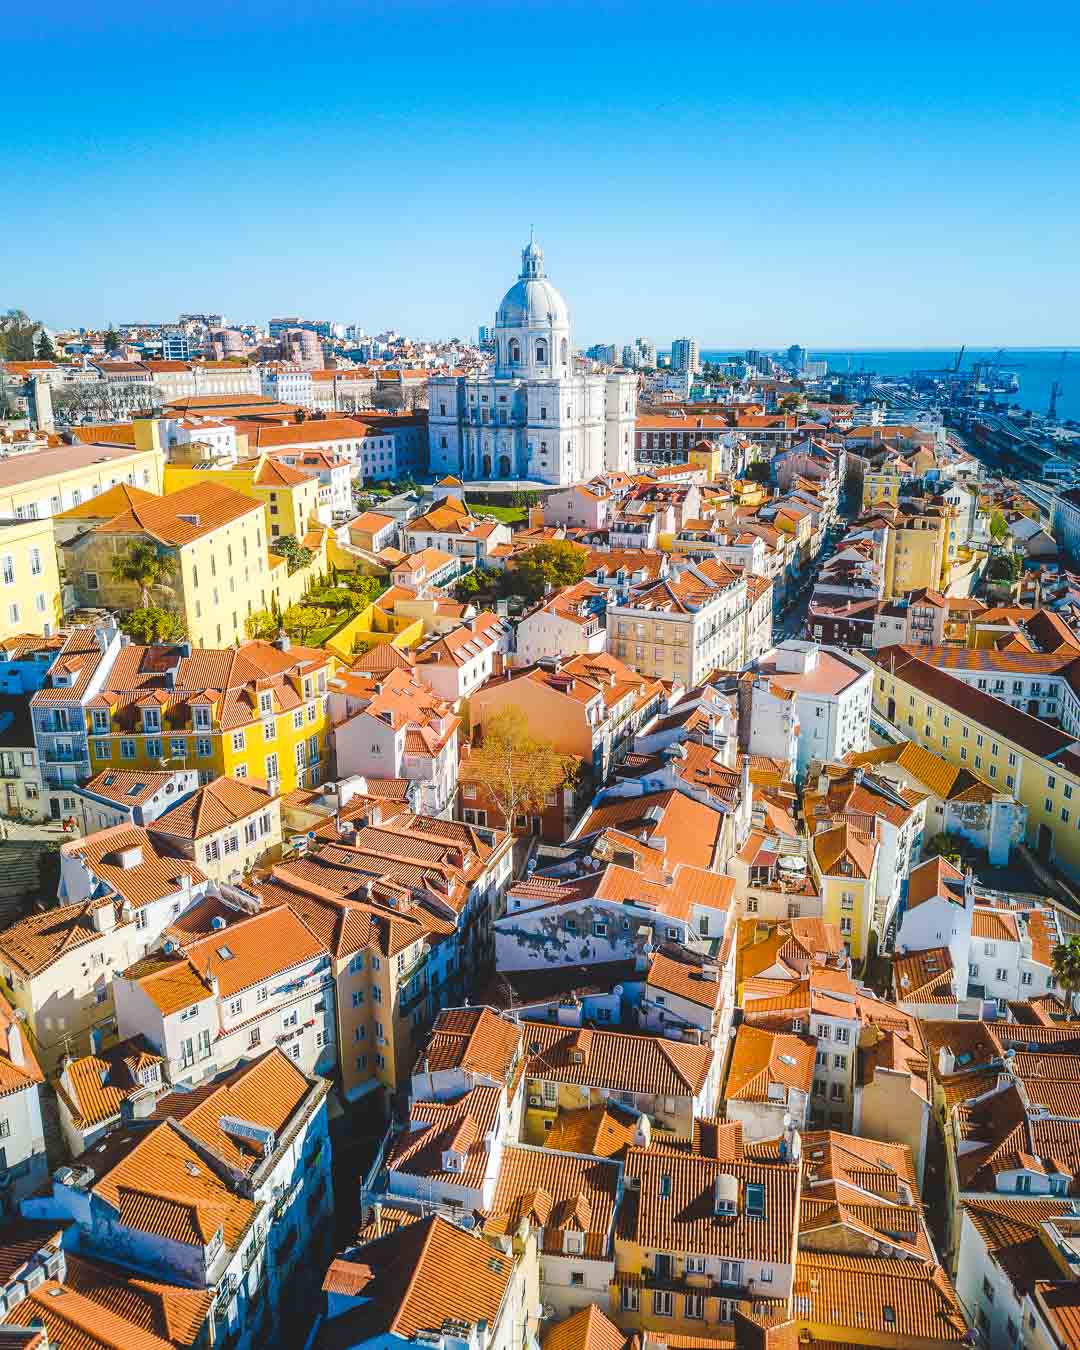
x,y
840,174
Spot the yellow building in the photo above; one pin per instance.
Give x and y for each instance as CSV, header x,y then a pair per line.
x,y
290,496
920,547
373,627
29,578
1030,759
226,827
222,570
881,486
258,711
43,483
844,861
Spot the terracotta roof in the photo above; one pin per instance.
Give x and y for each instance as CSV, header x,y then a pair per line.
x,y
267,1091
417,1278
32,944
935,877
948,781
108,504
162,1187
255,949
685,978
924,977
761,1058
171,983
184,516
475,1040
673,1207
587,1329
616,1060
845,851
128,788
691,830
604,1131
555,1191
214,806
95,1087
176,1314
908,1300
19,1068
436,1127
145,877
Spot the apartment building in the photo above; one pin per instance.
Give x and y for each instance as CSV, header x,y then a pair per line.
x,y
333,475
59,709
257,711
700,1235
895,815
457,663
117,894
29,578
226,1190
844,861
24,1166
769,1080
832,699
999,952
589,706
116,797
290,496
215,539
486,1297
451,527
261,980
226,826
404,904
970,728
569,622
684,626
43,483
93,1092
394,726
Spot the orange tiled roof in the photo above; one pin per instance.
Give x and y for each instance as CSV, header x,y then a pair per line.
x,y
184,516
153,876
222,802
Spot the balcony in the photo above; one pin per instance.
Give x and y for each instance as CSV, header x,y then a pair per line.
x,y
55,756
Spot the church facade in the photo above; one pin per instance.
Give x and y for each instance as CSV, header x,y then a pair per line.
x,y
530,417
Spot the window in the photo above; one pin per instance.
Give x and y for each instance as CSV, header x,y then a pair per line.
x,y
236,1006
127,749
755,1199
695,1306
629,1298
661,1302
238,740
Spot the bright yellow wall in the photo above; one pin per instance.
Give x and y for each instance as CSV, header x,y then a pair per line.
x,y
30,601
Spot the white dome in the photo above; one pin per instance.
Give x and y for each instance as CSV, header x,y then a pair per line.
x,y
532,302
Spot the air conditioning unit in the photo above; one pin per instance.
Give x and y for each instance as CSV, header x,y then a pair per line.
x,y
535,1100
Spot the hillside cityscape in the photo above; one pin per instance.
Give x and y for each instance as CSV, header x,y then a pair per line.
x,y
540,677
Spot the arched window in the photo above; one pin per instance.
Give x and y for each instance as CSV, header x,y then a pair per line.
x,y
541,352
563,351
515,352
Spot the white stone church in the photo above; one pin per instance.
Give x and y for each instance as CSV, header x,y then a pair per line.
x,y
532,418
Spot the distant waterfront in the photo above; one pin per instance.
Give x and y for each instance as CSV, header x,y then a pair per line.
x,y
1036,368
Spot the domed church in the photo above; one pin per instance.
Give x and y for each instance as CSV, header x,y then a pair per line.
x,y
531,418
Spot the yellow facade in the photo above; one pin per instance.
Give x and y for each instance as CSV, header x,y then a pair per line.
x,y
850,899
373,627
53,480
29,578
1050,791
290,507
918,554
709,458
881,487
267,746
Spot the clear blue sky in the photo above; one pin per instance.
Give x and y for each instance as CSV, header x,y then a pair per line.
x,y
840,174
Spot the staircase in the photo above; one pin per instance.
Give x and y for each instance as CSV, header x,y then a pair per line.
x,y
20,882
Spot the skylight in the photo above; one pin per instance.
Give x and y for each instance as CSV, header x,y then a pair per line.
x,y
226,953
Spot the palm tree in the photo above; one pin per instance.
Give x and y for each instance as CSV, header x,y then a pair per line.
x,y
142,565
1067,967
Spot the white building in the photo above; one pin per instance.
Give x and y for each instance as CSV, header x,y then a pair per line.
x,y
832,698
568,623
532,418
23,1164
686,355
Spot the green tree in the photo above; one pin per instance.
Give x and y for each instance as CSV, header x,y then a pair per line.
x,y
1066,958
790,403
150,625
45,349
143,566
262,624
999,526
294,553
516,769
17,331
1004,567
112,341
300,621
556,564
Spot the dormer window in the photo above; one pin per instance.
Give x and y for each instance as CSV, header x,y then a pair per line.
x,y
573,1243
151,719
201,718
453,1161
